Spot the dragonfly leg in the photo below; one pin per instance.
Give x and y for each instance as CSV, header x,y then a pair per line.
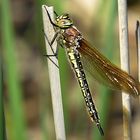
x,y
49,57
55,36
55,14
51,43
55,53
50,17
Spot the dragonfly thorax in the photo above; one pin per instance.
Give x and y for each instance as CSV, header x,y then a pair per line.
x,y
63,21
71,37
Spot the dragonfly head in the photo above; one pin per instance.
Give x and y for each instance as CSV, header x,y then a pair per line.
x,y
63,21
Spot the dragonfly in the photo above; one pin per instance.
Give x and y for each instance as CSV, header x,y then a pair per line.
x,y
84,57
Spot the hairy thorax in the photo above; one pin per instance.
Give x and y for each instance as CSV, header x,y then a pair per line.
x,y
71,37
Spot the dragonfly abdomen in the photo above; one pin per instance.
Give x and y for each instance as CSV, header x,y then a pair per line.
x,y
77,66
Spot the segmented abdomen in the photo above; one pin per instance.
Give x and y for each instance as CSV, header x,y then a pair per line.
x,y
76,63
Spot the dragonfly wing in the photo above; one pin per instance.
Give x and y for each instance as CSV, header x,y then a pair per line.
x,y
106,72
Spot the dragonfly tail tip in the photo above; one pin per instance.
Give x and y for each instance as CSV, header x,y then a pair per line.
x,y
100,129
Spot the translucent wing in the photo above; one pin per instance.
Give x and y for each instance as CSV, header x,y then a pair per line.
x,y
106,72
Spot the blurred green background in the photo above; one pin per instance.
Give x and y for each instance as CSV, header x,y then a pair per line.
x,y
25,98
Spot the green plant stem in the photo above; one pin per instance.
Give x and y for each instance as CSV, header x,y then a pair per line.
x,y
14,89
2,118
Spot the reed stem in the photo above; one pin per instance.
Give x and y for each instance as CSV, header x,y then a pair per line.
x,y
54,75
138,48
124,56
138,45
